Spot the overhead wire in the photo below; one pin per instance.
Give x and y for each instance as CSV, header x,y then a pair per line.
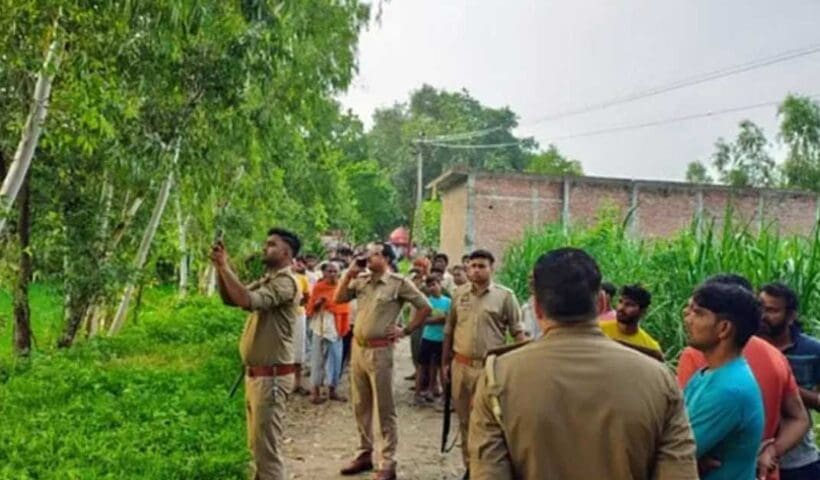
x,y
443,141
683,118
633,126
683,83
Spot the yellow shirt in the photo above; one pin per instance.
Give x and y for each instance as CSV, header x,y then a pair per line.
x,y
304,288
640,339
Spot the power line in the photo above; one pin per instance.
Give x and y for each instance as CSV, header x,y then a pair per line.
x,y
687,82
683,118
465,146
454,137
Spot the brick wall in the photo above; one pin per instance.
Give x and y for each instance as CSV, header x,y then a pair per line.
x,y
490,210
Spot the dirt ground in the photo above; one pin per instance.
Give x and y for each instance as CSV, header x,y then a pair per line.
x,y
321,439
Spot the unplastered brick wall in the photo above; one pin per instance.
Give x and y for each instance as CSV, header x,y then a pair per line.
x,y
491,210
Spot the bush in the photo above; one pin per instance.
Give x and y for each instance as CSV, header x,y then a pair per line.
x,y
151,403
671,268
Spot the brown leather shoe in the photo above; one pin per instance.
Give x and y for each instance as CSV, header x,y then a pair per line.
x,y
385,475
362,463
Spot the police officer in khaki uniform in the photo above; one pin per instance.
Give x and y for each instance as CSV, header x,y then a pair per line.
x,y
380,295
266,345
575,404
481,314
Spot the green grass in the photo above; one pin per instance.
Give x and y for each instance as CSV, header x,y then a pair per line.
x,y
46,317
151,403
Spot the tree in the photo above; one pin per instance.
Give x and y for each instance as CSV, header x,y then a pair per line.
x,y
800,132
551,162
246,88
696,172
431,114
746,162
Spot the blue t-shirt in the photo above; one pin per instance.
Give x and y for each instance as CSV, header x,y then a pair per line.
x,y
725,409
804,358
441,306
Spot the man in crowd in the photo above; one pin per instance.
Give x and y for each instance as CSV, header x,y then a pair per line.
x,y
786,420
311,261
723,400
301,342
576,405
625,328
459,276
266,345
380,295
440,262
781,328
481,315
431,343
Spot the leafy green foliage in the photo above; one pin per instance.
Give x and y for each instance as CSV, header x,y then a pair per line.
x,y
246,88
151,403
697,172
671,268
800,132
430,113
429,224
551,162
746,162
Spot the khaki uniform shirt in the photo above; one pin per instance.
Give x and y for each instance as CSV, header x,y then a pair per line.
x,y
478,321
576,405
268,336
379,301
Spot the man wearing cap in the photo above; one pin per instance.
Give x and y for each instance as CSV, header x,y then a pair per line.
x,y
482,313
380,295
266,345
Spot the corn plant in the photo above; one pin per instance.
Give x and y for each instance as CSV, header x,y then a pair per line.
x,y
672,267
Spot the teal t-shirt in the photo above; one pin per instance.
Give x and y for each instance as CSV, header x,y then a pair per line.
x,y
441,306
725,409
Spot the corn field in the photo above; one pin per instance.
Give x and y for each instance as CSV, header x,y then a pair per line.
x,y
670,268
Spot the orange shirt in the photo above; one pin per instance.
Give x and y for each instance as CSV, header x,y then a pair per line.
x,y
340,311
771,370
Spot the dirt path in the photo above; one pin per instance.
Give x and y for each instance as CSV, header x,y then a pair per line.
x,y
321,439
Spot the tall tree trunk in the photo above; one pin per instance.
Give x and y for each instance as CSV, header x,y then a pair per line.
x,y
182,221
22,312
31,132
211,289
74,319
145,245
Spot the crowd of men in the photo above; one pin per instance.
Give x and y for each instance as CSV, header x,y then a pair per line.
x,y
569,386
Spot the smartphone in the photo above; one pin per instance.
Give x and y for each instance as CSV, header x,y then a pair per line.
x,y
219,236
361,262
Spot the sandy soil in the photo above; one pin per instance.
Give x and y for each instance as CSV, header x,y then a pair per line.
x,y
321,439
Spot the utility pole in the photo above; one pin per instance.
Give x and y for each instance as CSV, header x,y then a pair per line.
x,y
419,191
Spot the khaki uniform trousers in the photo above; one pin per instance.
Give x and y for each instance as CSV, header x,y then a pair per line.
x,y
464,380
371,389
265,399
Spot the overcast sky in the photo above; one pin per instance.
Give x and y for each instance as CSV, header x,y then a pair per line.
x,y
548,56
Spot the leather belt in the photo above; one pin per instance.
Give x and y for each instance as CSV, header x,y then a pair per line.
x,y
468,361
374,343
271,371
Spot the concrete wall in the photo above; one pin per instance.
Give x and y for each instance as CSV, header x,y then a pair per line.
x,y
490,210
